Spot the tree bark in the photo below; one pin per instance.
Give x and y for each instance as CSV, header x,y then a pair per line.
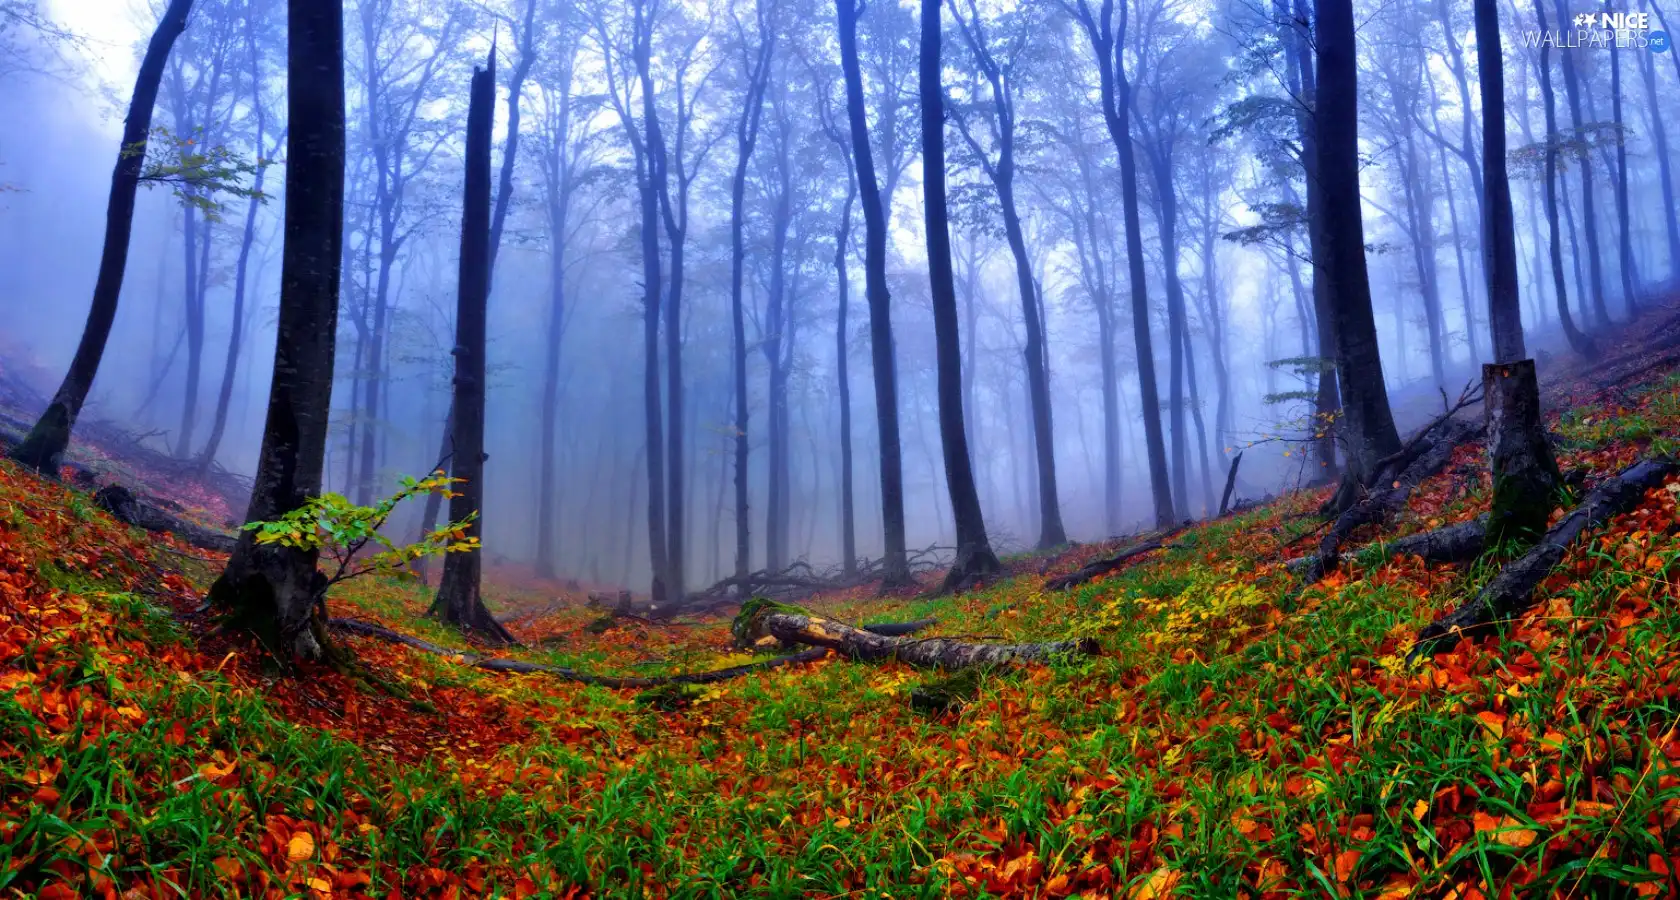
x,y
272,590
1595,263
44,446
1369,434
1665,172
975,561
459,601
799,627
1499,243
1107,45
1525,475
896,560
746,139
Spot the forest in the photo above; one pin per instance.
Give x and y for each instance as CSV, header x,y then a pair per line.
x,y
888,448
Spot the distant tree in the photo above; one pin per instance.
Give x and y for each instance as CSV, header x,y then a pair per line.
x,y
49,437
1108,42
271,588
998,59
1577,124
1624,244
1577,339
459,601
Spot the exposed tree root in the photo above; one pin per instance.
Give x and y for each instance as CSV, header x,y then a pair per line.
x,y
1427,453
791,625
495,664
1511,592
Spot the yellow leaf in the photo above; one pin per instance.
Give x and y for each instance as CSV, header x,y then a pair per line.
x,y
301,847
1420,809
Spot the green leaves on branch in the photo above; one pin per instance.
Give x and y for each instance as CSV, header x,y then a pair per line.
x,y
200,175
341,531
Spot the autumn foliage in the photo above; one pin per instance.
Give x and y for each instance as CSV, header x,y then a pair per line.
x,y
1238,736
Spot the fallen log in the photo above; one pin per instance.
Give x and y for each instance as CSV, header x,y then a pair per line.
x,y
121,503
1450,543
496,664
1432,455
1511,592
1099,567
760,619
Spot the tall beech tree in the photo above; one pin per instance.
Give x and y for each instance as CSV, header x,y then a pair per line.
x,y
1369,433
1500,253
43,447
998,60
896,559
755,66
272,589
459,601
975,560
1108,42
1577,339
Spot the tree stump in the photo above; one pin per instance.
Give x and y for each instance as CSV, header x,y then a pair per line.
x,y
1525,474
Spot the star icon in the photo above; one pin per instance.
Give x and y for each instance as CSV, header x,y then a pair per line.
x,y
1583,20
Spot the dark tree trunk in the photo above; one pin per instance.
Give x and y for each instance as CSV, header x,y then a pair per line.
x,y
974,560
546,477
1624,232
1327,402
896,561
1201,427
1525,475
195,286
1595,262
1115,93
776,344
1660,133
1579,341
746,139
273,590
1166,199
47,440
1369,434
848,519
1499,247
510,147
458,599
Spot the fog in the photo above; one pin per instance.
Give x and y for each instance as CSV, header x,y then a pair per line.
x,y
1212,122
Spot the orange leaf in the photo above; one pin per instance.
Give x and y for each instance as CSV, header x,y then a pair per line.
x,y
300,847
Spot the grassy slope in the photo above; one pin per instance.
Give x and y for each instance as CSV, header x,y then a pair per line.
x,y
1232,740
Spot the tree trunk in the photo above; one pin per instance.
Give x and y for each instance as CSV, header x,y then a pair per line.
x,y
1624,231
896,561
1115,95
798,627
1525,475
1499,247
1166,199
848,519
47,440
1661,135
974,560
1577,340
273,590
546,477
1369,434
746,139
434,501
459,601
1595,263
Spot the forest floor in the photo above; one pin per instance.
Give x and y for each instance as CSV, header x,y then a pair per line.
x,y
1236,737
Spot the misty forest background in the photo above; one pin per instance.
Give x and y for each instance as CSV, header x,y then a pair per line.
x,y
598,388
